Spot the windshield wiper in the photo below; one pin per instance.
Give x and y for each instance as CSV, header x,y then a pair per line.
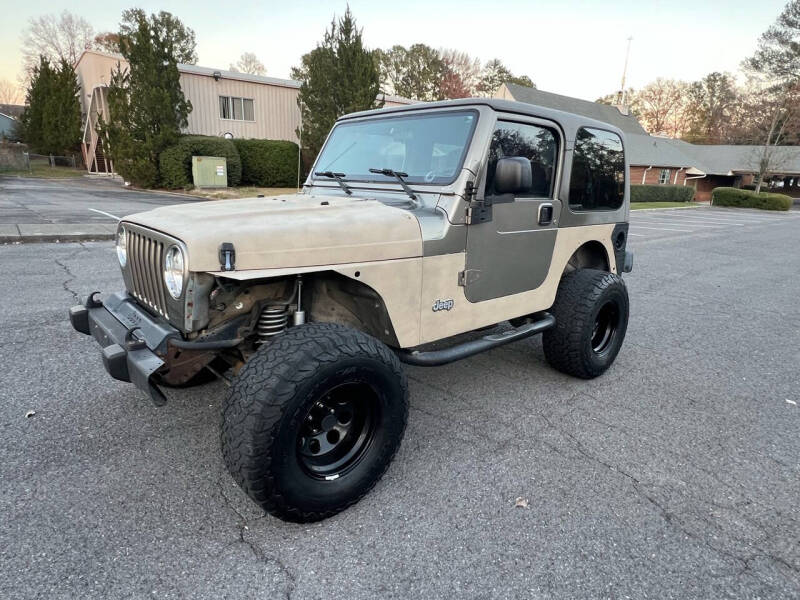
x,y
337,177
399,176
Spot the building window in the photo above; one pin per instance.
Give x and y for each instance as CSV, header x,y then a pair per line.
x,y
663,177
224,107
597,181
237,109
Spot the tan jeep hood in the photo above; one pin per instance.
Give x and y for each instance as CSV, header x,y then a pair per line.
x,y
288,231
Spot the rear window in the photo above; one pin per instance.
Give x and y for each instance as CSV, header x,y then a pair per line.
x,y
597,181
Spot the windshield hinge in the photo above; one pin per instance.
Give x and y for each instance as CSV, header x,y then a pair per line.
x,y
478,211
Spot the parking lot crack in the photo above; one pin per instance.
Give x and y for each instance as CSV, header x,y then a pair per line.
x,y
668,517
243,524
66,282
70,275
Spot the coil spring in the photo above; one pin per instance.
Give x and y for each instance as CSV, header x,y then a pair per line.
x,y
273,320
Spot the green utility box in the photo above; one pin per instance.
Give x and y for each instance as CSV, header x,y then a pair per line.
x,y
209,171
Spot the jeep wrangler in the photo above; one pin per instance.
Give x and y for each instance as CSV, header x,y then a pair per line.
x,y
416,224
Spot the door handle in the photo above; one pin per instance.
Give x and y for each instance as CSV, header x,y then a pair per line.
x,y
545,213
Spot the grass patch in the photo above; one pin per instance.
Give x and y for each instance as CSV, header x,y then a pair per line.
x,y
640,205
46,172
240,192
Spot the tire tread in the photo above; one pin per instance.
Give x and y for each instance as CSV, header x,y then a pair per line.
x,y
251,417
578,293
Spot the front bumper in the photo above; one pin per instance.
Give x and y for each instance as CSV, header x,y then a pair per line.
x,y
131,339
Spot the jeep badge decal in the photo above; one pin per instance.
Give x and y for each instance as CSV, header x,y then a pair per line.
x,y
443,305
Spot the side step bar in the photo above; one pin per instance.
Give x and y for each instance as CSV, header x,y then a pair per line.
x,y
434,358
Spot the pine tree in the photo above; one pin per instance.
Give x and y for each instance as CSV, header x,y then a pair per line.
x,y
338,77
495,74
51,123
147,106
777,61
778,52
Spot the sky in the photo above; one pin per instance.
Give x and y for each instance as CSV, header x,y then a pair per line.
x,y
570,47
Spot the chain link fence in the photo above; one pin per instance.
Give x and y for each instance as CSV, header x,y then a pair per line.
x,y
16,158
51,160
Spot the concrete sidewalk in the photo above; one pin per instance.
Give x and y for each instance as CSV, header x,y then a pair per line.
x,y
56,232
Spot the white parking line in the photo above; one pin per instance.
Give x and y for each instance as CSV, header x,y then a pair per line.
x,y
710,214
637,234
746,214
706,219
671,223
681,221
662,228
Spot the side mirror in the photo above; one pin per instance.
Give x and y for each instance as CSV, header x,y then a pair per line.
x,y
513,175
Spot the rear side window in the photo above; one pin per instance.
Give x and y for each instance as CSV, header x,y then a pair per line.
x,y
537,144
597,181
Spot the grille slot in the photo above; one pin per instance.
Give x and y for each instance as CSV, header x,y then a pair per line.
x,y
145,257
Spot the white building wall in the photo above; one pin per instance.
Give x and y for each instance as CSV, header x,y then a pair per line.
x,y
276,115
93,69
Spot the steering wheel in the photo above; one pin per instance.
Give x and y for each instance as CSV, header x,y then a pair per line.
x,y
430,176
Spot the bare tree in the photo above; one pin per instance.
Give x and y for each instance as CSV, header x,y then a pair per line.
x,y
56,37
107,41
10,93
783,116
462,74
249,63
777,61
662,107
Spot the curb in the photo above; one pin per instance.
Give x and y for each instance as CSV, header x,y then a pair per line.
x,y
36,233
166,193
57,238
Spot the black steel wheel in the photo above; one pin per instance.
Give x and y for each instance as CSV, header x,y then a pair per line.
x,y
338,429
591,311
313,420
606,323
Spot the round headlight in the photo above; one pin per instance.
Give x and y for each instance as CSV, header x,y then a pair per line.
x,y
122,247
173,271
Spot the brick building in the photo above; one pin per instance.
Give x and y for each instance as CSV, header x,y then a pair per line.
x,y
659,160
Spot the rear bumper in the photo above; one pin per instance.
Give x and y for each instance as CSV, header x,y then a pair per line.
x,y
628,265
131,339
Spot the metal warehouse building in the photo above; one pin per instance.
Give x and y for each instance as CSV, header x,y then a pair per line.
x,y
224,103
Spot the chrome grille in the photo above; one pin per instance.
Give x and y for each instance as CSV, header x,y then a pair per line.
x,y
145,260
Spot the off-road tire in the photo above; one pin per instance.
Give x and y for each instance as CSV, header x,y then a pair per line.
x,y
583,296
266,407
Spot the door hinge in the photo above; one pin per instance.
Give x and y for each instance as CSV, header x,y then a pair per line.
x,y
478,211
468,276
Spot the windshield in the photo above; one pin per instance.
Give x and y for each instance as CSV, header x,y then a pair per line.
x,y
429,148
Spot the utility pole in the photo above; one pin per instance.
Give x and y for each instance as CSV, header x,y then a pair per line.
x,y
625,69
299,143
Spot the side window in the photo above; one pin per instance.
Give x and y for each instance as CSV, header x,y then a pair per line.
x,y
597,181
538,144
663,177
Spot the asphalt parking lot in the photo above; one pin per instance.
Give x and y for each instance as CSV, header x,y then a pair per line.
x,y
647,225
675,475
42,201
